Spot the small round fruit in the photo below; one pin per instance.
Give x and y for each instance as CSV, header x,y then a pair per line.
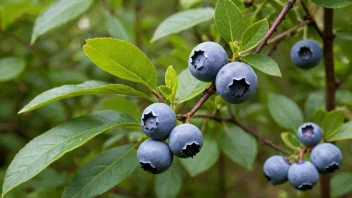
x,y
276,169
309,134
306,54
206,60
158,120
236,82
326,157
303,176
154,156
185,140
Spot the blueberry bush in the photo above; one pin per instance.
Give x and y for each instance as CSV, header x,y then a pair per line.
x,y
178,98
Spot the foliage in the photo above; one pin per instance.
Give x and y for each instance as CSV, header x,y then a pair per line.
x,y
85,84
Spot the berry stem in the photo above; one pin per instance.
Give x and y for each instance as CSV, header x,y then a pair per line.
x,y
157,94
206,94
277,22
261,139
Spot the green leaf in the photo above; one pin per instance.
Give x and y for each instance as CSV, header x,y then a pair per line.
x,y
122,59
332,123
182,21
319,116
102,173
188,3
204,160
239,146
344,133
122,105
252,36
332,3
171,82
169,183
341,184
290,140
263,63
314,101
53,144
58,14
285,112
13,11
115,28
189,87
11,67
89,87
47,179
228,20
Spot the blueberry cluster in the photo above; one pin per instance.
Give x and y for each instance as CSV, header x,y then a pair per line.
x,y
303,175
159,123
306,54
235,82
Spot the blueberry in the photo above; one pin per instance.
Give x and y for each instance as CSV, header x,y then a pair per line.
x,y
276,168
306,54
309,134
185,140
326,157
154,156
236,82
303,175
206,60
158,120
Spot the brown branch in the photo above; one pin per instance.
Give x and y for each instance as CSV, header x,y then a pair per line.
x,y
233,120
310,16
282,35
107,7
330,82
277,22
206,94
156,94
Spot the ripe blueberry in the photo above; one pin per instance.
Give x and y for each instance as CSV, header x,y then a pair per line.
x,y
236,82
306,54
206,60
154,156
309,134
185,140
303,175
276,168
158,120
326,157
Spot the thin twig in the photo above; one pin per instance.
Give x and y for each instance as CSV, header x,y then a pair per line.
x,y
310,16
233,120
206,94
289,32
160,98
277,22
107,7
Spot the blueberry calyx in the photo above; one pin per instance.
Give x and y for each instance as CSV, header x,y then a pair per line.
x,y
198,59
305,53
332,167
148,167
308,131
305,186
190,150
239,88
150,121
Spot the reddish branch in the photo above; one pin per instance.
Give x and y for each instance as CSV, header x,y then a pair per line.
x,y
277,22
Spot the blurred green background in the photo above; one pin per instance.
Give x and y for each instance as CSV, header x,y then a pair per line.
x,y
57,58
